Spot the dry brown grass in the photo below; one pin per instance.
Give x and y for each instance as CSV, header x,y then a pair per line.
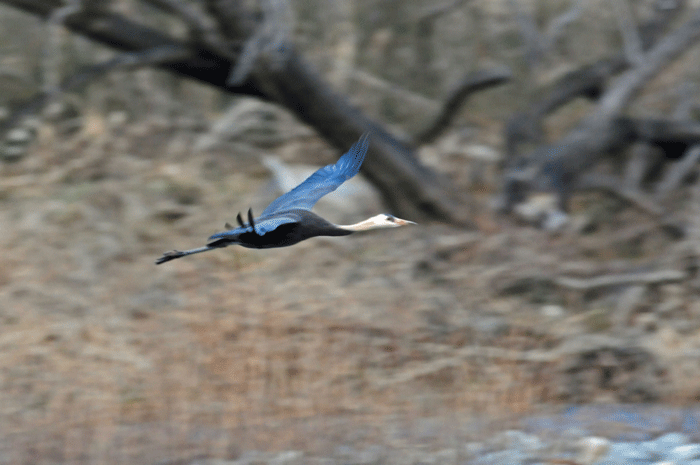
x,y
420,335
416,338
107,358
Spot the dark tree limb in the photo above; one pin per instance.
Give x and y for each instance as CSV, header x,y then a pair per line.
x,y
473,82
664,133
589,82
555,167
120,33
615,100
409,188
526,127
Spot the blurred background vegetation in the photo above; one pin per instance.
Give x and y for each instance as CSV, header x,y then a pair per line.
x,y
416,338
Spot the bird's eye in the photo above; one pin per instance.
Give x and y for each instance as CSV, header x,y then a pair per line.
x,y
390,218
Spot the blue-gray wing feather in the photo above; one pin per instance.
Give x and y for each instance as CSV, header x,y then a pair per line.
x,y
262,226
322,182
265,225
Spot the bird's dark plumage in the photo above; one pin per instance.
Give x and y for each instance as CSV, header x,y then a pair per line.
x,y
288,219
296,226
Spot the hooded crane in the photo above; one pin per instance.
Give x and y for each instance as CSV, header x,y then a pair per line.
x,y
289,220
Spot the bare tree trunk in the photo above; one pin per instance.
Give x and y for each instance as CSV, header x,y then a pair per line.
x,y
411,189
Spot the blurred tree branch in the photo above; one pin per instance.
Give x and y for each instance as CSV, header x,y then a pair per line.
x,y
557,167
588,81
472,83
219,54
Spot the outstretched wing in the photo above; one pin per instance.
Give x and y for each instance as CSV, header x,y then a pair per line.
x,y
322,182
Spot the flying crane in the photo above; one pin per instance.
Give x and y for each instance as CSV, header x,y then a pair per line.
x,y
288,220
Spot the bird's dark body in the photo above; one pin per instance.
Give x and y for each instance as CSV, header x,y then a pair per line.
x,y
308,225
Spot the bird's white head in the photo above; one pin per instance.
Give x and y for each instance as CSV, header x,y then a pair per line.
x,y
380,221
384,220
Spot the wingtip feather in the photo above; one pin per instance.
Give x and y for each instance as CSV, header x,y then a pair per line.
x,y
356,155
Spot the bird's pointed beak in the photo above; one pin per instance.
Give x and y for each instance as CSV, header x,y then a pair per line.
x,y
401,222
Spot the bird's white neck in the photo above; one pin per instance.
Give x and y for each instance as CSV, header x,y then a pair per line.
x,y
376,222
365,225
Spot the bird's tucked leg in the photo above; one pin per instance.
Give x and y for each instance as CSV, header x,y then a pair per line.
x,y
250,220
240,221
